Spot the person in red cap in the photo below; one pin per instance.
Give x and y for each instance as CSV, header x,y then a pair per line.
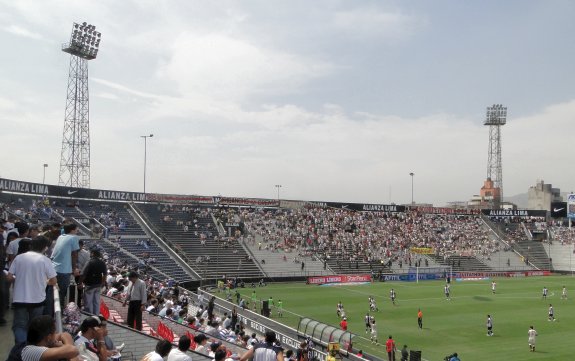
x,y
343,324
390,348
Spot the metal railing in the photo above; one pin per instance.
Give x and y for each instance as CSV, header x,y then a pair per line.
x,y
57,310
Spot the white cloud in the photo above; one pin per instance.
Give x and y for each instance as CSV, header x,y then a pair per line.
x,y
373,22
20,31
225,67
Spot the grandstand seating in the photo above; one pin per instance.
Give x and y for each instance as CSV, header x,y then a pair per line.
x,y
115,216
214,258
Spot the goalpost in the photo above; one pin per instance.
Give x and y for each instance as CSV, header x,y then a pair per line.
x,y
438,272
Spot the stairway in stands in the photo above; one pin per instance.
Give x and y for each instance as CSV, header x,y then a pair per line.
x,y
225,258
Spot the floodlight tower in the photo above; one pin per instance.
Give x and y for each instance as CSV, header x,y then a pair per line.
x,y
495,118
75,157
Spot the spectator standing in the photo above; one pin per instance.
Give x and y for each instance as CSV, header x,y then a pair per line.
x,y
137,297
45,344
30,273
3,285
390,348
65,259
20,228
179,354
265,351
93,278
404,353
83,258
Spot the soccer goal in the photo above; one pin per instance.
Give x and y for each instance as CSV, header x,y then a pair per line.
x,y
431,273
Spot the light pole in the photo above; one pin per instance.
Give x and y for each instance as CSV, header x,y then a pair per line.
x,y
145,156
278,186
44,176
412,174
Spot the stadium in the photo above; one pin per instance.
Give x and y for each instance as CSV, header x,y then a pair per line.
x,y
324,103
292,251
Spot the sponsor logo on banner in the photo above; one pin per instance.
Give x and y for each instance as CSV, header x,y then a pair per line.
x,y
514,213
320,280
558,209
422,250
444,210
23,187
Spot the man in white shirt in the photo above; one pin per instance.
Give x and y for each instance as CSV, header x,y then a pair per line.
x,y
163,348
30,272
179,354
22,229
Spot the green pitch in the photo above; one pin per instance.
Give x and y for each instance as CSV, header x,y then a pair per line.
x,y
458,325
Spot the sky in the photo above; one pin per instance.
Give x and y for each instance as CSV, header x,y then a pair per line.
x,y
333,100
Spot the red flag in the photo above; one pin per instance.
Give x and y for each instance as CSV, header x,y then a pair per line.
x,y
104,310
165,332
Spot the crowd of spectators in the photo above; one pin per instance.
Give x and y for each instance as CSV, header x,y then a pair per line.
x,y
367,236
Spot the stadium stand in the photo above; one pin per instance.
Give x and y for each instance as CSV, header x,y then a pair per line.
x,y
193,231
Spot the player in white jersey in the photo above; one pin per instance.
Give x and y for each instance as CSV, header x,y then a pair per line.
x,y
374,333
564,293
392,295
339,308
551,314
447,292
532,335
544,295
493,285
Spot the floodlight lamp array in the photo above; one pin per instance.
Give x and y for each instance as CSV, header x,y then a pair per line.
x,y
84,41
496,115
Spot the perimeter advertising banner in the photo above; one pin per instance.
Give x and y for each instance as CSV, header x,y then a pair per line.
x,y
422,250
571,206
516,212
320,280
558,209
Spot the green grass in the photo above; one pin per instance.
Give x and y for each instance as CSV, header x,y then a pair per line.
x,y
448,326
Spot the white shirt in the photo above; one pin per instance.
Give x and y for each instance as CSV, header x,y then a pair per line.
x,y
153,356
13,247
32,271
177,355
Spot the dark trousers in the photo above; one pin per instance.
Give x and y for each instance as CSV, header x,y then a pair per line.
x,y
420,322
135,315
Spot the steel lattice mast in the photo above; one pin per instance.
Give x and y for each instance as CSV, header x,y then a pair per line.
x,y
495,118
75,157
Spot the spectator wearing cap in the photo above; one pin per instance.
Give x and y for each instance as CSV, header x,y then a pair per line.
x,y
137,297
43,343
163,348
90,340
265,351
93,278
180,353
65,259
30,272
